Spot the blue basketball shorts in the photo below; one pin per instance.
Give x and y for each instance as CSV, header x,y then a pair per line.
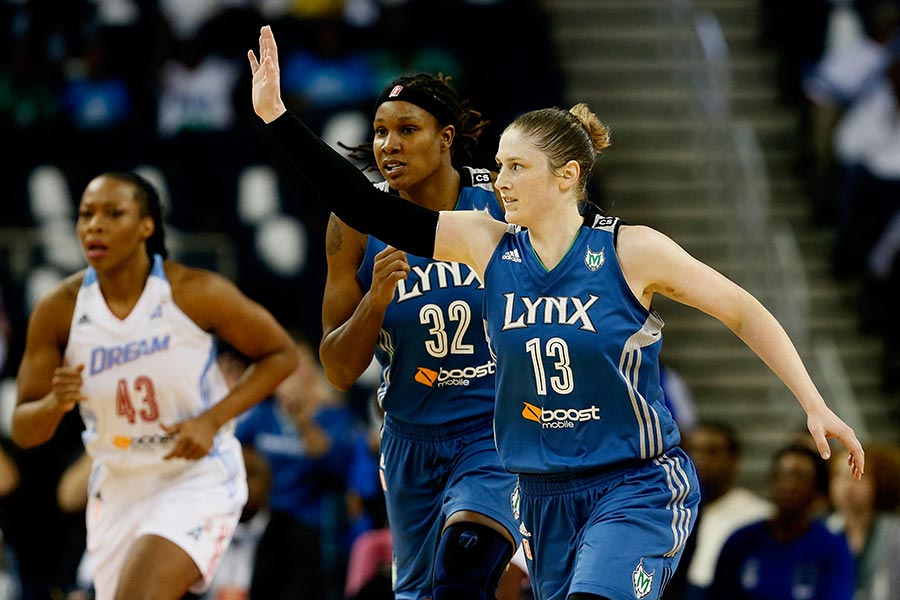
x,y
618,533
429,473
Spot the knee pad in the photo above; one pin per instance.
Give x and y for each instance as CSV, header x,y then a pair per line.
x,y
470,560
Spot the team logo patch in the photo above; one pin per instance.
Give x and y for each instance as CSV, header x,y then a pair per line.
x,y
642,581
426,376
396,91
594,260
524,531
514,502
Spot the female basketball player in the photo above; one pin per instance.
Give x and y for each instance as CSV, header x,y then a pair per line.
x,y
606,498
130,342
422,318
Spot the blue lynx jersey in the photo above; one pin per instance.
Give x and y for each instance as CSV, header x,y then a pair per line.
x,y
436,366
577,358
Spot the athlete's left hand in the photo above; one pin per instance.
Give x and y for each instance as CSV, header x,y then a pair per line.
x,y
194,438
824,424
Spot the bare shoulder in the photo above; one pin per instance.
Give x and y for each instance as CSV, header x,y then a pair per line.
x,y
641,239
199,292
62,296
190,282
53,310
340,238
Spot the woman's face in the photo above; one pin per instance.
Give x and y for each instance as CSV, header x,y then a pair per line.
x,y
525,180
793,483
409,144
110,224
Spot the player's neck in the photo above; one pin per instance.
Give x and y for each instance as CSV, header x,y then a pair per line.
x,y
439,191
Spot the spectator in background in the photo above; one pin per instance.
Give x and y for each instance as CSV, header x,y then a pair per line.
x,y
72,497
678,397
5,333
9,577
195,120
866,512
792,554
235,574
867,144
311,441
847,72
724,506
46,542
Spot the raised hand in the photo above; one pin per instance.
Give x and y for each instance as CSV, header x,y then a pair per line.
x,y
389,269
266,95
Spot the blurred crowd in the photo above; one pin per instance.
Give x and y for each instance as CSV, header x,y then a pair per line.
x,y
839,64
162,87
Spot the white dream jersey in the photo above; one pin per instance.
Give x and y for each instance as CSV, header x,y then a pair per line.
x,y
154,367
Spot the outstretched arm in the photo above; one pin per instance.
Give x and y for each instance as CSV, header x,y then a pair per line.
x,y
348,192
653,263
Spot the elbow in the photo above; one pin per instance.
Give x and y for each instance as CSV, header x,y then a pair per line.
x,y
337,370
24,440
30,429
339,378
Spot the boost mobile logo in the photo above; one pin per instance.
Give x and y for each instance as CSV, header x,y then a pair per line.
x,y
561,418
453,376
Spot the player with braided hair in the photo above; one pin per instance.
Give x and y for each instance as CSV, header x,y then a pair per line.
x,y
446,492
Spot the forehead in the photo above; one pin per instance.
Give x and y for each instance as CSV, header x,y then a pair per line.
x,y
515,145
795,463
108,189
400,111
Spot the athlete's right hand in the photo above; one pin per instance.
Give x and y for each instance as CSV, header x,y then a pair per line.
x,y
66,384
266,95
390,268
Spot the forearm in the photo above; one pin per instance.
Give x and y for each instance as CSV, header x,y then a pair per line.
x,y
763,334
347,351
35,422
350,194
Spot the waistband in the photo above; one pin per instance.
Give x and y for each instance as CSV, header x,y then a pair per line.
x,y
443,431
574,481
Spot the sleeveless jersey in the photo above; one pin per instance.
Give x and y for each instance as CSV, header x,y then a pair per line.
x,y
577,358
154,367
436,366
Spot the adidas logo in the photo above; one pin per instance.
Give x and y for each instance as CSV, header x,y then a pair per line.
x,y
512,255
83,319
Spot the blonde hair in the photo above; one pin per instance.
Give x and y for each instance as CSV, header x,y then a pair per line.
x,y
598,132
576,134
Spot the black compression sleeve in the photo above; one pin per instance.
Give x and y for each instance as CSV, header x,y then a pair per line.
x,y
350,194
